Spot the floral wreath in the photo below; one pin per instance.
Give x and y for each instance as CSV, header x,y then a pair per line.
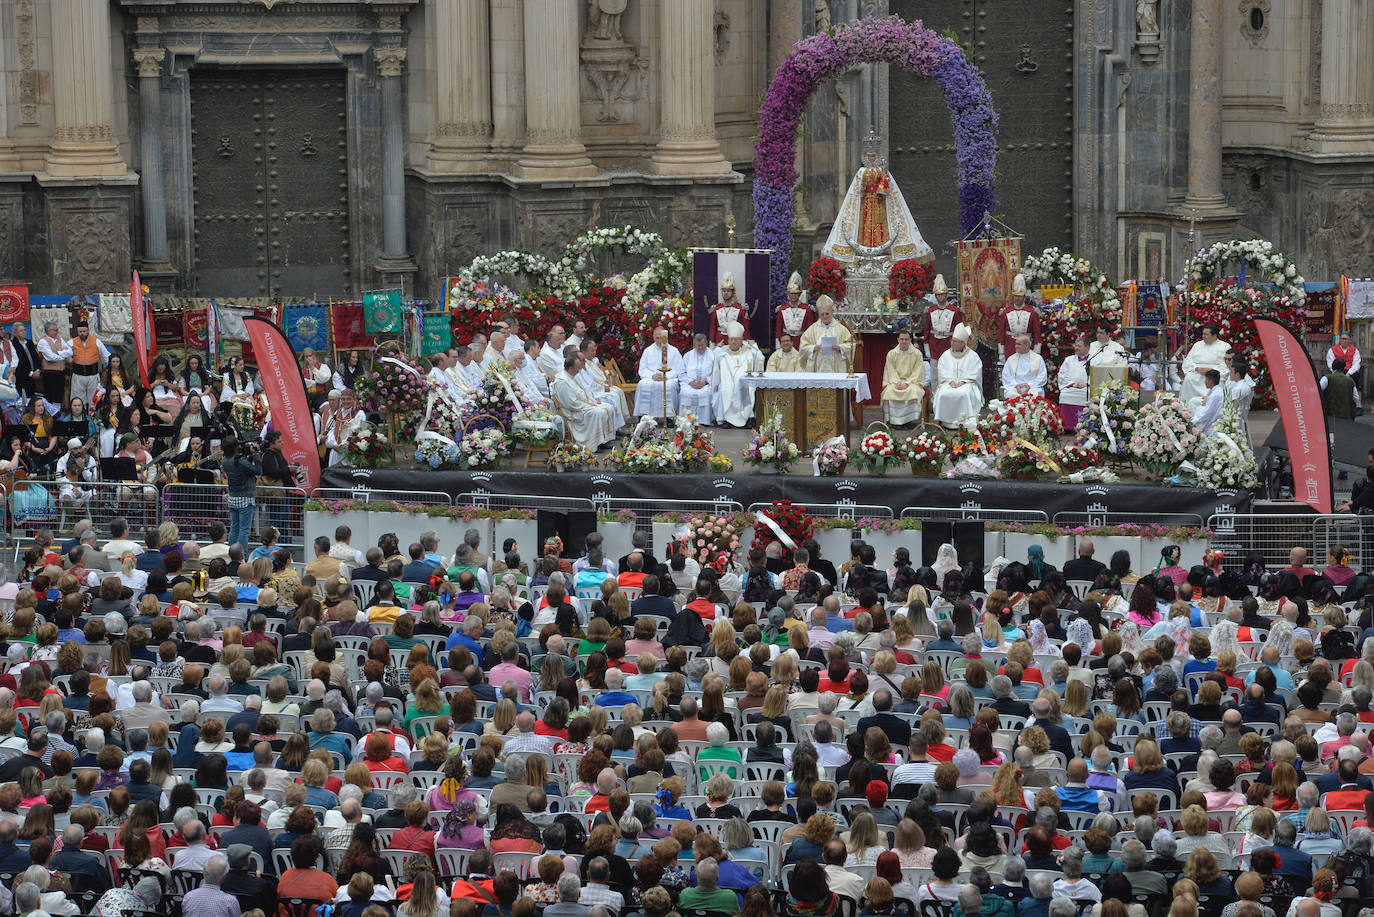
x,y
824,55
548,276
1054,266
664,271
1258,254
578,254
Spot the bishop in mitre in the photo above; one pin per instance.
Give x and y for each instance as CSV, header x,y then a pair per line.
x,y
959,396
874,220
694,392
660,368
1208,353
904,381
736,358
589,422
796,316
827,346
786,358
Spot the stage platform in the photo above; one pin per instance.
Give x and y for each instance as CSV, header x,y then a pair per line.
x,y
1085,503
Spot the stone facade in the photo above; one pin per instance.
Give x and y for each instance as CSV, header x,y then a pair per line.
x,y
474,125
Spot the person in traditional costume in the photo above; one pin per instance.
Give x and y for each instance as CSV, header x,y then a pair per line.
x,y
1343,349
593,379
839,357
736,358
1020,317
959,397
589,422
660,369
551,354
1106,352
1073,384
1024,372
787,358
904,380
728,310
1240,388
694,393
874,220
1209,409
795,317
1208,353
348,419
941,320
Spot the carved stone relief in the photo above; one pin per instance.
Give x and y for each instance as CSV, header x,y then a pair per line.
x,y
721,30
1254,21
26,34
1338,225
613,68
92,247
465,234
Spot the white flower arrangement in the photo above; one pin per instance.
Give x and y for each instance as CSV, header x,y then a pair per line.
x,y
1226,459
1055,266
580,253
1163,436
483,448
546,275
1259,254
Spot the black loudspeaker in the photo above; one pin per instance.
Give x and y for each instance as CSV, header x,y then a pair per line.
x,y
967,538
572,526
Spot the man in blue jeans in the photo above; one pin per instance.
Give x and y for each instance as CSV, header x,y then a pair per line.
x,y
241,467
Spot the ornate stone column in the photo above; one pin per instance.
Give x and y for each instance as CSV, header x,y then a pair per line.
x,y
687,132
1204,109
390,66
152,186
460,40
553,146
1346,122
84,146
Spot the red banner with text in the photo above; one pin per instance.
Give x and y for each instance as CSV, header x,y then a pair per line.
x,y
284,387
1300,408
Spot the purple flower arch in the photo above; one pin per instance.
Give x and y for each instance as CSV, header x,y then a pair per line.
x,y
909,45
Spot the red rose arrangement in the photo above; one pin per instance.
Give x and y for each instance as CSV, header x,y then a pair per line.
x,y
791,518
910,279
825,276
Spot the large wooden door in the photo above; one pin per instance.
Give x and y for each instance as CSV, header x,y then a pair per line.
x,y
269,161
1025,52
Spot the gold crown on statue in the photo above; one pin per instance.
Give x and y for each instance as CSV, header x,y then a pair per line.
x,y
873,146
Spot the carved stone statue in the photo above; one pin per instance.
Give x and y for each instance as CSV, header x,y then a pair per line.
x,y
1147,18
603,20
822,15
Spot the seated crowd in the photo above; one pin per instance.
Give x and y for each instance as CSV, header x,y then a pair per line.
x,y
382,734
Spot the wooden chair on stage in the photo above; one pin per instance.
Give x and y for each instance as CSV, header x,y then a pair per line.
x,y
612,371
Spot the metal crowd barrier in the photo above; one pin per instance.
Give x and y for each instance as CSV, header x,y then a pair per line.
x,y
368,495
524,501
973,513
645,510
1274,536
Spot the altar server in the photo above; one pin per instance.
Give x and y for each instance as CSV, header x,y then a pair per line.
x,y
959,397
1073,384
1209,408
589,422
594,381
787,358
1105,351
904,377
1208,353
733,360
1240,388
1024,372
654,378
728,311
694,393
839,357
795,317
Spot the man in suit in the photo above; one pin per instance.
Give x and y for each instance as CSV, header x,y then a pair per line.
x,y
1084,567
86,873
898,730
1058,735
418,570
640,545
151,558
653,602
1336,781
1003,702
373,571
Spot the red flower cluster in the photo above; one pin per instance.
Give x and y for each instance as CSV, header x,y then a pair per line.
x,y
791,518
910,279
1062,328
825,276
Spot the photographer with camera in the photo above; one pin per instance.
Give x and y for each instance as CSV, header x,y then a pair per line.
x,y
242,466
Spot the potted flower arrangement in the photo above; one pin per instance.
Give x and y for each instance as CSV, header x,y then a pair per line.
x,y
435,453
1163,436
1111,418
365,447
1225,459
719,463
770,449
826,276
567,455
926,452
535,428
877,451
617,527
651,457
1019,462
1078,456
909,280
1028,417
483,449
830,458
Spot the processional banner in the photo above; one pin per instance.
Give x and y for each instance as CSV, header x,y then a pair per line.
x,y
987,268
14,303
749,268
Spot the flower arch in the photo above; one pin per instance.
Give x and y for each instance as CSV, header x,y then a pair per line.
x,y
893,40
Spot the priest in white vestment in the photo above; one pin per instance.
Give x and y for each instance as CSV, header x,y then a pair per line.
x,y
443,382
1073,384
904,377
827,346
1208,353
733,360
787,358
466,374
589,422
1106,352
653,379
593,380
551,354
579,332
1024,373
528,380
959,397
694,392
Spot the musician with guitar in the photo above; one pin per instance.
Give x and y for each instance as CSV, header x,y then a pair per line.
x,y
73,468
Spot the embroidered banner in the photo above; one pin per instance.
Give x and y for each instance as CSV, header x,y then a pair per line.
x,y
1322,300
383,311
169,329
14,303
987,268
116,317
307,328
145,342
194,321
1151,306
350,327
40,315
437,334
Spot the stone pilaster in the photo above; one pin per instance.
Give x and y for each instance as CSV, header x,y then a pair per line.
x,y
151,183
553,147
687,133
390,67
1204,109
1346,121
461,44
84,145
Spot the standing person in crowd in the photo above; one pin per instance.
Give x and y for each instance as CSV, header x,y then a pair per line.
x,y
242,466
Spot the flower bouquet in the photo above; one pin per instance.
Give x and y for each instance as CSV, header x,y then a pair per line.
x,y
770,447
1226,459
926,452
490,405
1078,456
535,428
1110,417
1020,461
1028,417
719,462
364,447
909,280
483,448
568,455
792,518
696,443
1163,436
435,453
825,276
652,457
831,457
877,451
708,535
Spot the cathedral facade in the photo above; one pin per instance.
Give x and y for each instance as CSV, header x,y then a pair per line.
x,y
318,148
